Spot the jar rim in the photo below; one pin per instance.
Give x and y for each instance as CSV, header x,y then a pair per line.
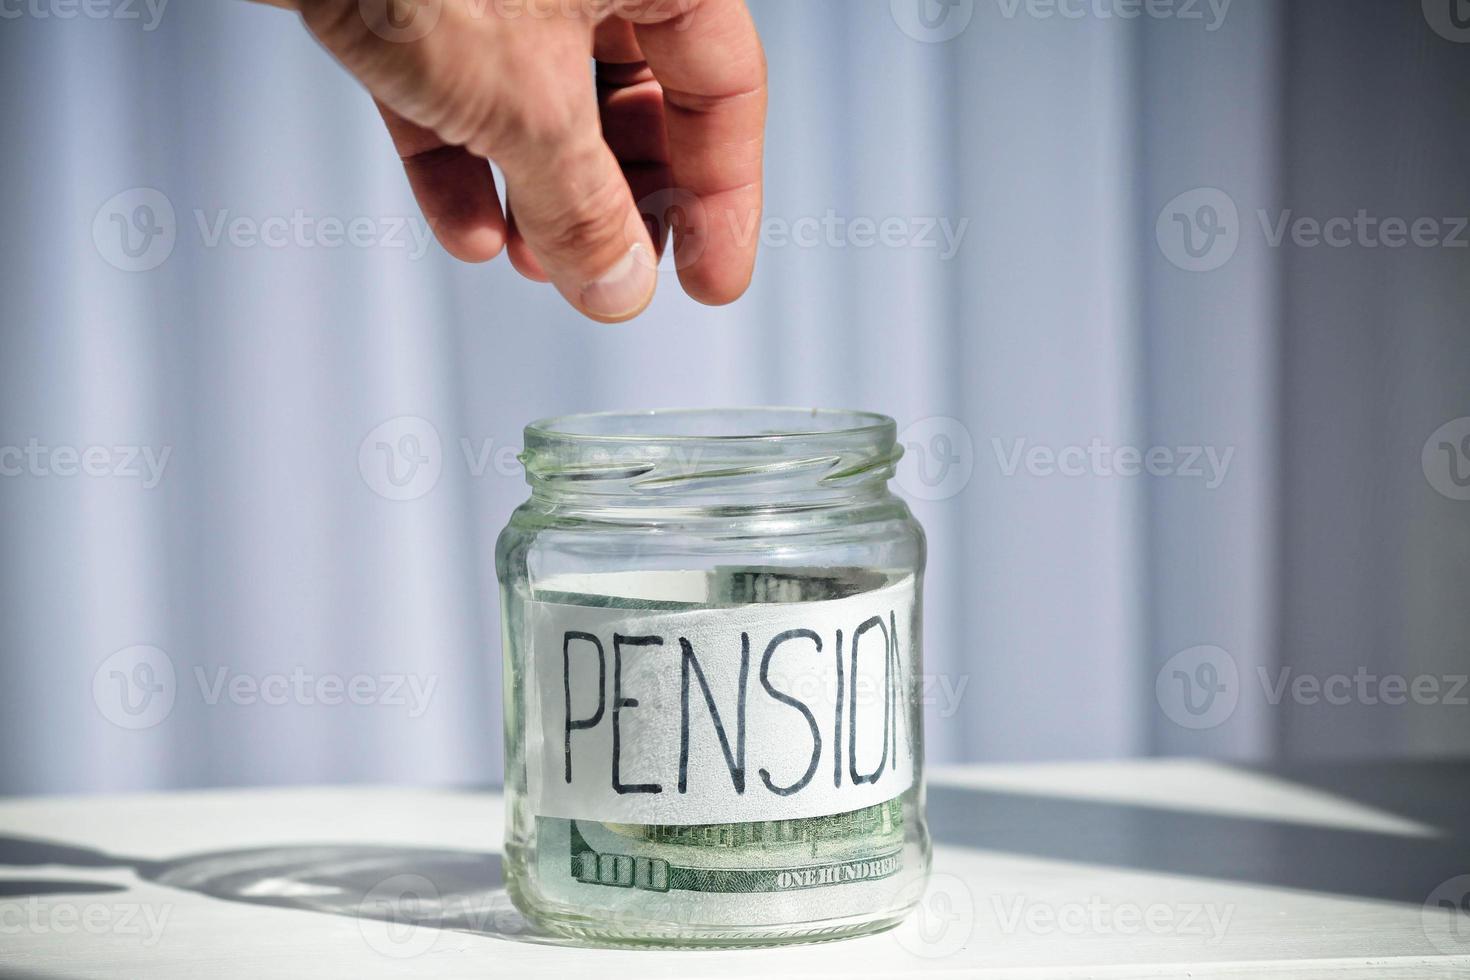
x,y
712,453
692,425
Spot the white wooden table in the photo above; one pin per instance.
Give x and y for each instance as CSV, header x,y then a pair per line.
x,y
1168,868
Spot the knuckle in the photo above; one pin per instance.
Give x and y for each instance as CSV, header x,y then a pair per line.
x,y
535,128
457,103
527,121
592,224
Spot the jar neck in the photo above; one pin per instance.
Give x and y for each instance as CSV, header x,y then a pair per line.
x,y
711,463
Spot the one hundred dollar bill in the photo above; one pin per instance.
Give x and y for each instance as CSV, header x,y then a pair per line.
x,y
755,872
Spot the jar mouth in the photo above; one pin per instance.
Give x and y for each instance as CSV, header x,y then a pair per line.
x,y
694,424
720,451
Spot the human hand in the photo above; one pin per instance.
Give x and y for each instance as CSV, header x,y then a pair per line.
x,y
676,117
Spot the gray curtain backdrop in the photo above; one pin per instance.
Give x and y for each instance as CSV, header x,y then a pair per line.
x,y
1175,471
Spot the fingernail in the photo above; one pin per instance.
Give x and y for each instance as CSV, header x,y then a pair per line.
x,y
624,289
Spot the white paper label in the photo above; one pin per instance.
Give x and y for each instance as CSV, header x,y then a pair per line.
x,y
769,711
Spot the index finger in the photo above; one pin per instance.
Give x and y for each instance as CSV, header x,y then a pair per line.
x,y
708,58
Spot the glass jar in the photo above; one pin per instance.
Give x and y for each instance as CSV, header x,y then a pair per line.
x,y
711,625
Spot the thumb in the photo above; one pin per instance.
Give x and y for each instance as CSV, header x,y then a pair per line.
x,y
575,210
